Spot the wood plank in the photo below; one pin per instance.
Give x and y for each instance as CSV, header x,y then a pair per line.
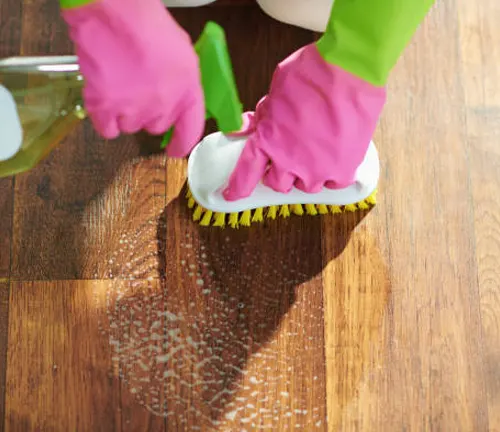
x,y
479,36
120,225
483,127
6,205
59,372
357,290
10,31
81,195
423,370
480,51
10,43
4,317
134,325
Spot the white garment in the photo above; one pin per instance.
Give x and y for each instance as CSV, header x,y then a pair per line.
x,y
308,14
11,131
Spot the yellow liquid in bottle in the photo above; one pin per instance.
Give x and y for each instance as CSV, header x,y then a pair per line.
x,y
49,105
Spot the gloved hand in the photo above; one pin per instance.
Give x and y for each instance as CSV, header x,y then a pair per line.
x,y
312,130
314,127
140,70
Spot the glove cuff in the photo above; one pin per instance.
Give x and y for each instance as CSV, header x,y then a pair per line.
x,y
72,4
367,37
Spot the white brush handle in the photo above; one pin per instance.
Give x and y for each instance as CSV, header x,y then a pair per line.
x,y
213,160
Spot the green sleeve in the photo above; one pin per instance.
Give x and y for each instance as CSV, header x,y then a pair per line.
x,y
367,37
70,4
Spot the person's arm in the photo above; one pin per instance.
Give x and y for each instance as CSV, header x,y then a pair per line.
x,y
315,126
367,37
140,70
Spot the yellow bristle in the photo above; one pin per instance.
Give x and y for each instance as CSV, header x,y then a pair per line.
x,y
311,209
363,205
372,199
246,218
322,209
284,211
297,209
258,215
207,217
233,220
273,210
198,213
219,219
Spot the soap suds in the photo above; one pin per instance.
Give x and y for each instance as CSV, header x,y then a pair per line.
x,y
197,340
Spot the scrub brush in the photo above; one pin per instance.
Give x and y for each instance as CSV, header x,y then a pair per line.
x,y
212,161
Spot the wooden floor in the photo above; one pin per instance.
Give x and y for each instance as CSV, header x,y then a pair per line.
x,y
117,313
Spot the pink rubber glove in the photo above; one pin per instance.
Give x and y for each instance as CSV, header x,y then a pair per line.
x,y
312,130
140,70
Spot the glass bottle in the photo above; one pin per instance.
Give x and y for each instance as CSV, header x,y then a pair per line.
x,y
47,92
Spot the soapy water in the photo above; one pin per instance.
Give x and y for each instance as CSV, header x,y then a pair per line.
x,y
213,338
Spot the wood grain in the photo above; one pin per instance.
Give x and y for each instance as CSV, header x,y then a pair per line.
x,y
356,296
4,317
433,342
478,33
59,374
11,12
51,200
124,315
10,44
6,204
483,126
479,37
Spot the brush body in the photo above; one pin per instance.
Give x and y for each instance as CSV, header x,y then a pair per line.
x,y
214,159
